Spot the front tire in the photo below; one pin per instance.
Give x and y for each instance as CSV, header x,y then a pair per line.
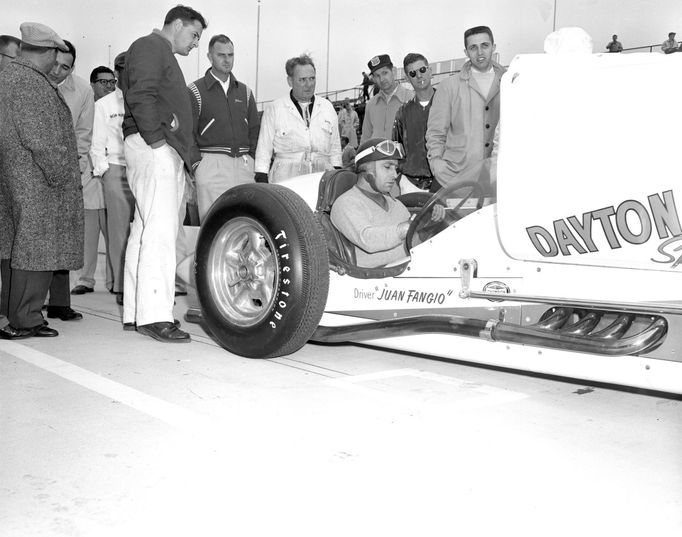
x,y
262,271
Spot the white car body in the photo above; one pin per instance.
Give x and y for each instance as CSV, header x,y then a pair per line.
x,y
588,178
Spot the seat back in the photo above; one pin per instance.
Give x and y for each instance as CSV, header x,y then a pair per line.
x,y
333,184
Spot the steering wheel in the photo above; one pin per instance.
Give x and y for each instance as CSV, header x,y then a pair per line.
x,y
455,213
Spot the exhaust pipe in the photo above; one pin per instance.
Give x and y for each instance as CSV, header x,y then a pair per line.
x,y
608,341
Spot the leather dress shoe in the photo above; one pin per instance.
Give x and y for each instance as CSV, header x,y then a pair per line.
x,y
129,327
65,313
119,299
43,331
81,290
9,332
165,331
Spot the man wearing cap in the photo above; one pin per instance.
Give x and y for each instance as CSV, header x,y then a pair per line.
x,y
226,126
39,170
381,109
366,214
300,130
108,163
670,45
159,148
411,120
78,95
465,111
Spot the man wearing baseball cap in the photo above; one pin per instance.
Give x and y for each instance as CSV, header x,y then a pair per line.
x,y
380,110
39,172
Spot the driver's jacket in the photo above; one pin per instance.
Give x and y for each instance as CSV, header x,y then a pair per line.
x,y
297,149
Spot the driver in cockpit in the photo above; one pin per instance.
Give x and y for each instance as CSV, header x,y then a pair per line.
x,y
367,214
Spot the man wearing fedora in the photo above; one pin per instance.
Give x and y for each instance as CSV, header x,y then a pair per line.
x,y
39,171
381,109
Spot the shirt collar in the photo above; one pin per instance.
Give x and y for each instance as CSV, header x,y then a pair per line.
x,y
225,84
67,83
376,197
163,36
388,97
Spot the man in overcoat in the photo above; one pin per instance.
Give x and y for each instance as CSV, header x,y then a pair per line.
x,y
39,171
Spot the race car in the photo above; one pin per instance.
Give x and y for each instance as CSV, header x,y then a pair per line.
x,y
560,256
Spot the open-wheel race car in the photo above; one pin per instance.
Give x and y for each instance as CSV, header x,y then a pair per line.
x,y
567,264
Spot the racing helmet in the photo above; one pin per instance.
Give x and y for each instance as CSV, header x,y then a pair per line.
x,y
379,149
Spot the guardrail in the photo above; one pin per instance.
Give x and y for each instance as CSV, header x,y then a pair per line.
x,y
644,48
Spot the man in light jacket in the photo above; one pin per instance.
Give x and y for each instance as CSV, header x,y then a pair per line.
x,y
108,162
300,129
465,111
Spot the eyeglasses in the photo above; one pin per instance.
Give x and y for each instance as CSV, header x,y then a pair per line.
x,y
8,56
106,81
385,147
422,70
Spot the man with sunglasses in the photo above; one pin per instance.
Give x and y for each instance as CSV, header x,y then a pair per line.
x,y
411,120
367,214
465,111
380,110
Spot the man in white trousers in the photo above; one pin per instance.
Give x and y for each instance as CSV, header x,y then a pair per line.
x,y
158,147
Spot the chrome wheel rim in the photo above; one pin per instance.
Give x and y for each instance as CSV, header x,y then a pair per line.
x,y
242,271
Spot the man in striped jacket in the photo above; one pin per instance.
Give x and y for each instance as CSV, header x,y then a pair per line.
x,y
226,126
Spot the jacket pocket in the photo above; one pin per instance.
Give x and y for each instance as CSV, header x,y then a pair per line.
x,y
456,149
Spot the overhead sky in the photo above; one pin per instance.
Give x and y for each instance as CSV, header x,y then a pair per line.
x,y
359,29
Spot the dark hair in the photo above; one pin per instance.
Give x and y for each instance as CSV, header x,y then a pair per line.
x,y
185,14
100,69
363,169
6,40
345,138
478,30
72,51
303,59
414,57
220,38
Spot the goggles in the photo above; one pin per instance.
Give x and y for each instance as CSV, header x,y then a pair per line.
x,y
388,148
422,70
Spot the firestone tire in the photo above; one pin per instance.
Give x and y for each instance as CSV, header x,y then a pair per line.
x,y
262,271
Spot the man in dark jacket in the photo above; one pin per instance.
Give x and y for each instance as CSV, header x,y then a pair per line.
x,y
226,126
157,127
39,171
412,119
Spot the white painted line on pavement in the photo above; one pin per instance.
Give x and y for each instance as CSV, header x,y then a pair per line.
x,y
169,413
484,395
